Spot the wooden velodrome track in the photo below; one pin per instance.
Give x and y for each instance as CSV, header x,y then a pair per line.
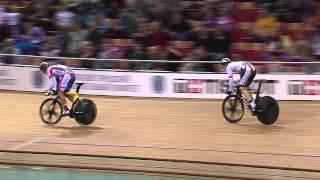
x,y
176,129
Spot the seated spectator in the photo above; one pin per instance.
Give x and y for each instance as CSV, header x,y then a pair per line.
x,y
174,54
136,52
141,36
87,51
126,21
153,53
36,35
198,54
116,31
315,45
44,14
51,49
109,51
158,36
221,43
112,10
179,27
95,37
298,9
75,37
264,25
9,48
209,18
5,29
64,18
224,20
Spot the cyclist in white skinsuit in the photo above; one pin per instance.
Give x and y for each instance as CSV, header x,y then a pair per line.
x,y
247,73
61,77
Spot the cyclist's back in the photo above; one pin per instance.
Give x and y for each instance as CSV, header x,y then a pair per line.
x,y
237,67
58,70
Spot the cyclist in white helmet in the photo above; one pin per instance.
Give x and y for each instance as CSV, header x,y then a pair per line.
x,y
61,79
247,73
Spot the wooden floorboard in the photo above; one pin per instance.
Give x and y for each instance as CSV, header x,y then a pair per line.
x,y
170,129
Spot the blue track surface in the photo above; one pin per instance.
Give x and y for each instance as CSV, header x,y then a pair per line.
x,y
25,173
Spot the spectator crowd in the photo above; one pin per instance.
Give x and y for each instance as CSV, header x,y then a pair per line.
x,y
172,30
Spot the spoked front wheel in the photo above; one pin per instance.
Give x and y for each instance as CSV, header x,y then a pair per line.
x,y
51,111
232,109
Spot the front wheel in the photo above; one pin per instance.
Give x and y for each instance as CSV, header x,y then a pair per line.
x,y
50,111
232,109
269,110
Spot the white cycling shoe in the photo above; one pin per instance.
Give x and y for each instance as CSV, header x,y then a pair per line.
x,y
66,113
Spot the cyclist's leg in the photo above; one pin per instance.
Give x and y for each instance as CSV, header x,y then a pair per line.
x,y
71,96
245,81
65,86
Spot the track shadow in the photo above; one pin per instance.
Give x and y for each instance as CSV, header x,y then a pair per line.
x,y
258,129
77,131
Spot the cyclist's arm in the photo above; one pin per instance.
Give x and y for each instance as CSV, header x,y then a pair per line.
x,y
230,77
52,83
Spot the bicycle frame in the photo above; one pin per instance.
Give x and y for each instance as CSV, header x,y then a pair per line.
x,y
56,99
243,99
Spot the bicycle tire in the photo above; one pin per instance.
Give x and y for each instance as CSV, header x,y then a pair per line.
x,y
232,99
85,112
59,113
270,110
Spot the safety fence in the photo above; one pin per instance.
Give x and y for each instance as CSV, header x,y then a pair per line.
x,y
162,84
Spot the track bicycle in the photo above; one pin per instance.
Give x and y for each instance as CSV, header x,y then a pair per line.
x,y
267,108
83,110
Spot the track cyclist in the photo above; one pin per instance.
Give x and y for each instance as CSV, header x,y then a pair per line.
x,y
247,73
61,78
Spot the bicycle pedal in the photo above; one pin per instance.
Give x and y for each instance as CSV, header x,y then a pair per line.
x,y
64,115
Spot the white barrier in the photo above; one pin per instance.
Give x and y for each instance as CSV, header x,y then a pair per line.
x,y
176,85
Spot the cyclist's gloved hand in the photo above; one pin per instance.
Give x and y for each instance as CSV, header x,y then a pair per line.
x,y
47,93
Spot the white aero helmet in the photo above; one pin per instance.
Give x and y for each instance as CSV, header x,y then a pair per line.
x,y
225,61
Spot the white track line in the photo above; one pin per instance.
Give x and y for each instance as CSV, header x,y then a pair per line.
x,y
26,143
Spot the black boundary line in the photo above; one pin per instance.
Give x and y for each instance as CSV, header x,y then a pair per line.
x,y
163,160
